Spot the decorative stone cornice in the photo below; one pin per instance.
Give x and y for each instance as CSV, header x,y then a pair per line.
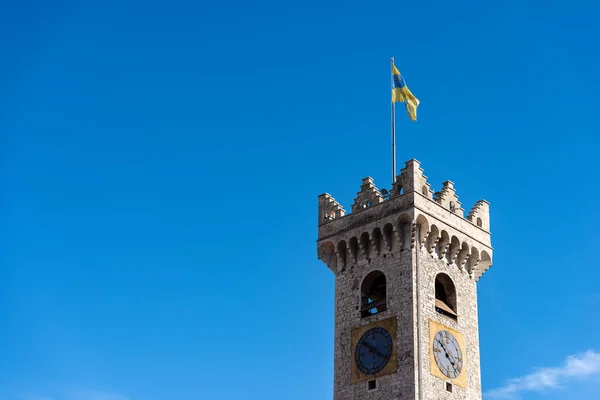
x,y
380,225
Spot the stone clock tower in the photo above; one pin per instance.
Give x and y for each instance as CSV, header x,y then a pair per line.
x,y
406,266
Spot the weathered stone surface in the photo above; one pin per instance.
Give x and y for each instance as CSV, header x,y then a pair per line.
x,y
382,235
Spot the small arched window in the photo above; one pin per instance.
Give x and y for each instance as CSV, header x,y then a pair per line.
x,y
373,294
445,296
479,222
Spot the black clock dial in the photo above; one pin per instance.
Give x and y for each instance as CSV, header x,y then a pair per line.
x,y
447,353
373,351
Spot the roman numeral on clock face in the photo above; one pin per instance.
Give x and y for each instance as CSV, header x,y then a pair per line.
x,y
447,354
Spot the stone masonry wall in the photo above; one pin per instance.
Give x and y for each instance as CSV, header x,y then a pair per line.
x,y
381,234
466,323
396,266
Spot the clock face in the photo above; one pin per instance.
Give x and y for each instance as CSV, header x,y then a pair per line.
x,y
373,351
447,354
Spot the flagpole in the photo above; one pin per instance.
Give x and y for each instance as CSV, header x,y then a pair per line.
x,y
393,128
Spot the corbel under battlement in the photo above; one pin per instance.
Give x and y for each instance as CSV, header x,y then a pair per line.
x,y
383,220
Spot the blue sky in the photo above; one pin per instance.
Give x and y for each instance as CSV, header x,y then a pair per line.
x,y
160,165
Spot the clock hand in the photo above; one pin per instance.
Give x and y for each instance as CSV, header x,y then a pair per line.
x,y
452,363
374,350
380,354
443,347
371,349
447,356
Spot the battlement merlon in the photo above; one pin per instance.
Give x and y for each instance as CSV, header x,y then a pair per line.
x,y
410,198
368,196
411,179
329,209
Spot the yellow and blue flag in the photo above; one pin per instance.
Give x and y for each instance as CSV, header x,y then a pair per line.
x,y
400,93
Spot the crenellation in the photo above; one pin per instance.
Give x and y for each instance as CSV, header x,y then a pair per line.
x,y
333,217
381,235
448,199
393,217
329,209
480,215
412,179
368,196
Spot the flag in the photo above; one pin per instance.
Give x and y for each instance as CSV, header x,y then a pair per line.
x,y
400,93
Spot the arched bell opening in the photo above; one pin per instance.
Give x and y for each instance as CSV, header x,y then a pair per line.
x,y
373,294
445,296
